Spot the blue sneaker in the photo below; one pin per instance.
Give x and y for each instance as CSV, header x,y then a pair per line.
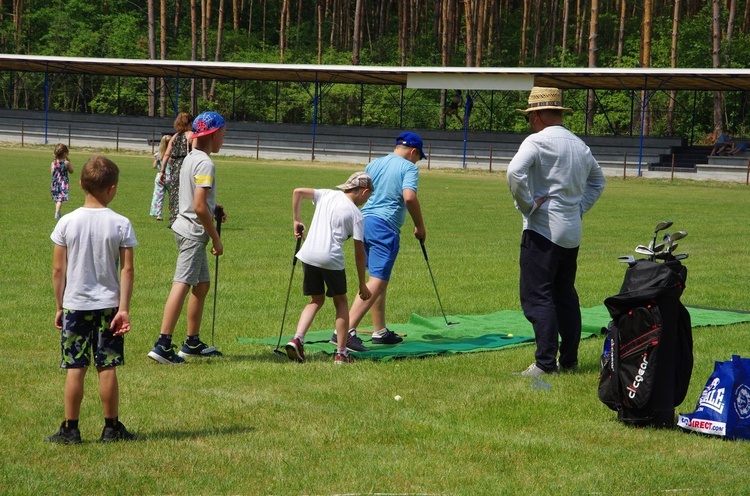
x,y
164,355
199,350
386,336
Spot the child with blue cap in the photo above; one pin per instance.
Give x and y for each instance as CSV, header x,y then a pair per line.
x,y
193,229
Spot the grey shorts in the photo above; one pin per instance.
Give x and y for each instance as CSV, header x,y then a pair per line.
x,y
192,262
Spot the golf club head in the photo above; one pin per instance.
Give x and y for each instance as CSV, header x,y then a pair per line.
x,y
678,235
663,256
279,353
626,259
658,248
672,248
665,224
643,250
681,256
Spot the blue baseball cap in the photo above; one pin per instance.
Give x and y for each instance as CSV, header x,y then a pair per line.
x,y
207,123
412,140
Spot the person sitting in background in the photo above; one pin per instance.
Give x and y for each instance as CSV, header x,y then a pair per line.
x,y
737,148
723,143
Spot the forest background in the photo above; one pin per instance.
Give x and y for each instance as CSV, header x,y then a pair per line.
x,y
472,33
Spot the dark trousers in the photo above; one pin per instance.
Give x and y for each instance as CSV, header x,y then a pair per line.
x,y
549,299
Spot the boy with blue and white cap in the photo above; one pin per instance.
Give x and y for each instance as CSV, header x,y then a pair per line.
x,y
193,229
395,178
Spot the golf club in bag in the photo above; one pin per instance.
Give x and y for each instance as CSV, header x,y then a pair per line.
x,y
648,351
218,217
426,259
276,350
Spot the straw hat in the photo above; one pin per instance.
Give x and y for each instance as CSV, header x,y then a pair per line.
x,y
544,98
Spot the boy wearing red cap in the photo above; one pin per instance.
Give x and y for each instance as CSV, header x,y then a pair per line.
x,y
193,228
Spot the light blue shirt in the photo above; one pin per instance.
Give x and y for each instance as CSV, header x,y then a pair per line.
x,y
391,175
557,164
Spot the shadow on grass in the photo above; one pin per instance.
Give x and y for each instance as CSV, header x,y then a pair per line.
x,y
178,435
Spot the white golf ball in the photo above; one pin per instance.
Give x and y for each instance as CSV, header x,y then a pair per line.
x,y
397,398
510,335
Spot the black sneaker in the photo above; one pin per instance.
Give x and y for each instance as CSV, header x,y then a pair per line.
x,y
386,336
353,343
65,436
165,355
117,433
199,350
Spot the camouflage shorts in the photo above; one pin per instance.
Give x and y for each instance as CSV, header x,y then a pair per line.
x,y
87,330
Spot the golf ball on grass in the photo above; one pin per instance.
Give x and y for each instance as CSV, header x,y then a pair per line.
x,y
397,398
510,335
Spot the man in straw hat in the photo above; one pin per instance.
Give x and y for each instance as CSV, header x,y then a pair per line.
x,y
554,180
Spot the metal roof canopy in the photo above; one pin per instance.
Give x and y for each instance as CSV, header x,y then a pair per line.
x,y
471,78
477,78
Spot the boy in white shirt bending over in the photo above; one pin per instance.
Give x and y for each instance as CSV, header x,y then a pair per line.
x,y
336,219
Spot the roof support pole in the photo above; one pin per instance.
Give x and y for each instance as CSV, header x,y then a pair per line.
x,y
316,97
46,103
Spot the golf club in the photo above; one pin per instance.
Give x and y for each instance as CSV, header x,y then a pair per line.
x,y
424,252
675,237
643,250
681,256
277,351
218,216
665,224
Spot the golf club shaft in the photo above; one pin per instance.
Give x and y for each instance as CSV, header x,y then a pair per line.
x,y
218,215
289,290
426,259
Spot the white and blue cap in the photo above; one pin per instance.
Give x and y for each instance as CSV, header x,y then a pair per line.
x,y
412,140
207,123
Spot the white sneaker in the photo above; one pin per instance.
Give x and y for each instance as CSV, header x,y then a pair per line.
x,y
533,371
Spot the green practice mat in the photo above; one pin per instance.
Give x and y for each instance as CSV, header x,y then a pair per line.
x,y
424,336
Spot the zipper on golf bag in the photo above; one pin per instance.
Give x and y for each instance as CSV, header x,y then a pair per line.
x,y
629,358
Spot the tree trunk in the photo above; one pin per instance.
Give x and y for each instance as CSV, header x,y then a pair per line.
x,y
593,34
151,56
621,33
204,32
716,61
219,34
282,29
235,15
648,11
524,28
564,42
193,53
357,38
177,12
730,30
673,64
163,56
471,27
319,10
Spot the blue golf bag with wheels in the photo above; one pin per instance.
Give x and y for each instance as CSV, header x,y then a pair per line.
x,y
648,352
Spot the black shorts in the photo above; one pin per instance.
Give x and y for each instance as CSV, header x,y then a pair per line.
x,y
317,279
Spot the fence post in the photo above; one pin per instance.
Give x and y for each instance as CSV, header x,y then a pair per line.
x,y
257,146
117,141
625,166
672,179
490,158
153,138
69,133
369,152
312,149
21,133
747,179
429,155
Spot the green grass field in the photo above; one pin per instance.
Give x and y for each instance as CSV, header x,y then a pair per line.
x,y
254,423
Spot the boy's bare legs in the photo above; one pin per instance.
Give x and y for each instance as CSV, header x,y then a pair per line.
x,y
173,307
74,392
342,321
308,314
196,303
109,391
360,307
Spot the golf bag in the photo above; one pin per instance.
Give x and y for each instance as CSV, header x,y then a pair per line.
x,y
648,352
